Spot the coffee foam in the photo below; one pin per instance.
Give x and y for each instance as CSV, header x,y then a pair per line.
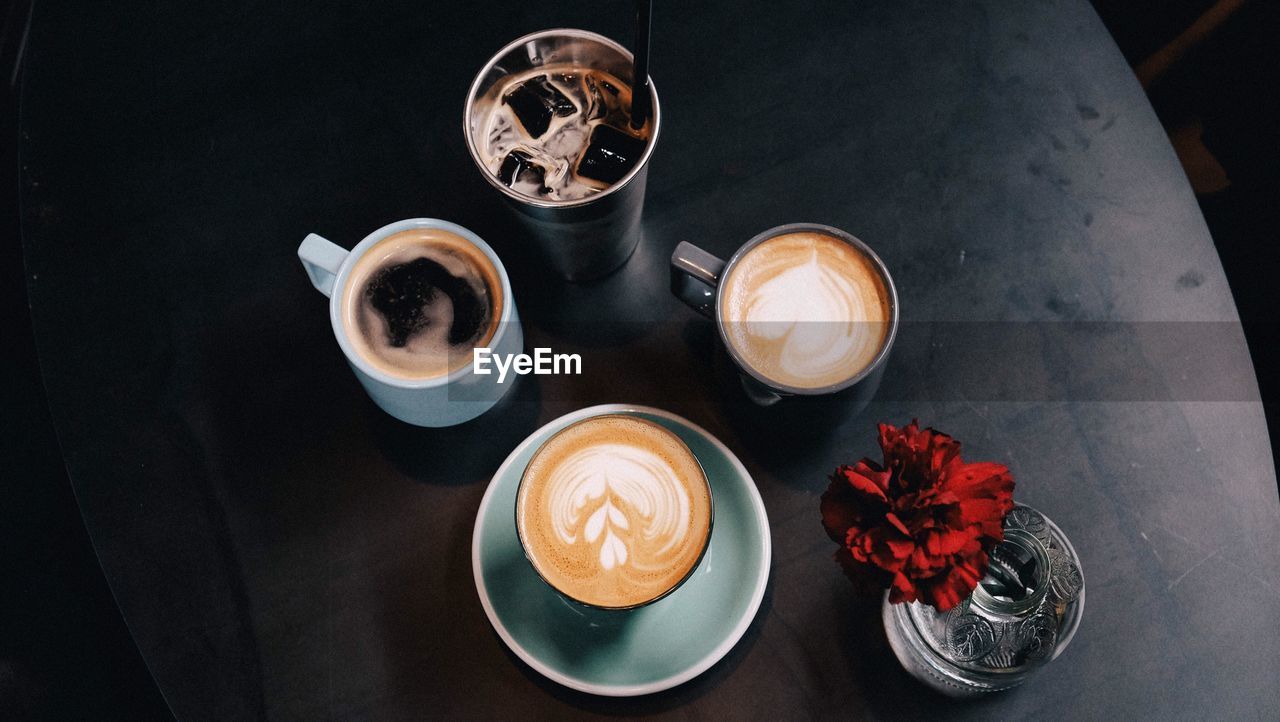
x,y
805,310
614,511
428,352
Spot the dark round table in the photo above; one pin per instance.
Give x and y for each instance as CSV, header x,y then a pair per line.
x,y
280,548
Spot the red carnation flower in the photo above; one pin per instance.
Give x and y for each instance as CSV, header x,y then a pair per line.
x,y
922,523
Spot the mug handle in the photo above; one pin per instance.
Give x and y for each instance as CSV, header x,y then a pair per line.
x,y
322,259
695,274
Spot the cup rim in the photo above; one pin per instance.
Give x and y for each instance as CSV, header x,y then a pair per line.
x,y
849,238
339,294
706,542
472,92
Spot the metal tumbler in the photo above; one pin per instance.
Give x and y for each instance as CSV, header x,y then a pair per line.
x,y
589,237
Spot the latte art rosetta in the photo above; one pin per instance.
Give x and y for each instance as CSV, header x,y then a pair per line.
x,y
806,310
628,494
614,511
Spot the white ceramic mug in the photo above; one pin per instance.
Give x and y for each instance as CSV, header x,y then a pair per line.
x,y
453,398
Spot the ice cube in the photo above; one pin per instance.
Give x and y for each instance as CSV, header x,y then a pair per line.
x,y
535,101
610,154
567,141
603,101
597,106
519,166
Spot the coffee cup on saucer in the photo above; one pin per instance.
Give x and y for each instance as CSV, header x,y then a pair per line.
x,y
614,512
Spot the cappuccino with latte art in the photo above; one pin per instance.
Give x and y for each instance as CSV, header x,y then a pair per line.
x,y
614,511
805,310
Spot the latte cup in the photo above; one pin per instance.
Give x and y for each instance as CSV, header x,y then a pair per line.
x,y
614,512
702,280
443,399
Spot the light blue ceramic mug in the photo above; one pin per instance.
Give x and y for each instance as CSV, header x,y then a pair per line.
x,y
445,400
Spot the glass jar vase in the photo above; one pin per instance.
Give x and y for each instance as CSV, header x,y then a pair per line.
x,y
1022,615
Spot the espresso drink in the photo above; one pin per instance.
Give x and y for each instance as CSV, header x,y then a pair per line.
x,y
560,132
614,511
805,310
418,301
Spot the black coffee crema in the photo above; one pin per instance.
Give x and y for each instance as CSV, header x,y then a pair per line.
x,y
404,293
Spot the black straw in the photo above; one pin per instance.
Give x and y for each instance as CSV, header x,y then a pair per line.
x,y
640,101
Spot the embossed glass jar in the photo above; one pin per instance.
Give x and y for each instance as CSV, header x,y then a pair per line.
x,y
1022,615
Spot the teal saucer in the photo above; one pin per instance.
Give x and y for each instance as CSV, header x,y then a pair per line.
x,y
626,653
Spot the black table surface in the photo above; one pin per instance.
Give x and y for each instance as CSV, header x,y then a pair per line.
x,y
280,548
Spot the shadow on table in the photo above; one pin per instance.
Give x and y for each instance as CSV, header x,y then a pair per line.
x,y
413,613
608,312
450,455
777,437
886,688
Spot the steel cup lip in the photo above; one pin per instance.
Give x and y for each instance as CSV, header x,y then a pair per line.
x,y
706,542
890,290
473,94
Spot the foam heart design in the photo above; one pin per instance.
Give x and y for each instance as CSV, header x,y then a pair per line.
x,y
809,310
